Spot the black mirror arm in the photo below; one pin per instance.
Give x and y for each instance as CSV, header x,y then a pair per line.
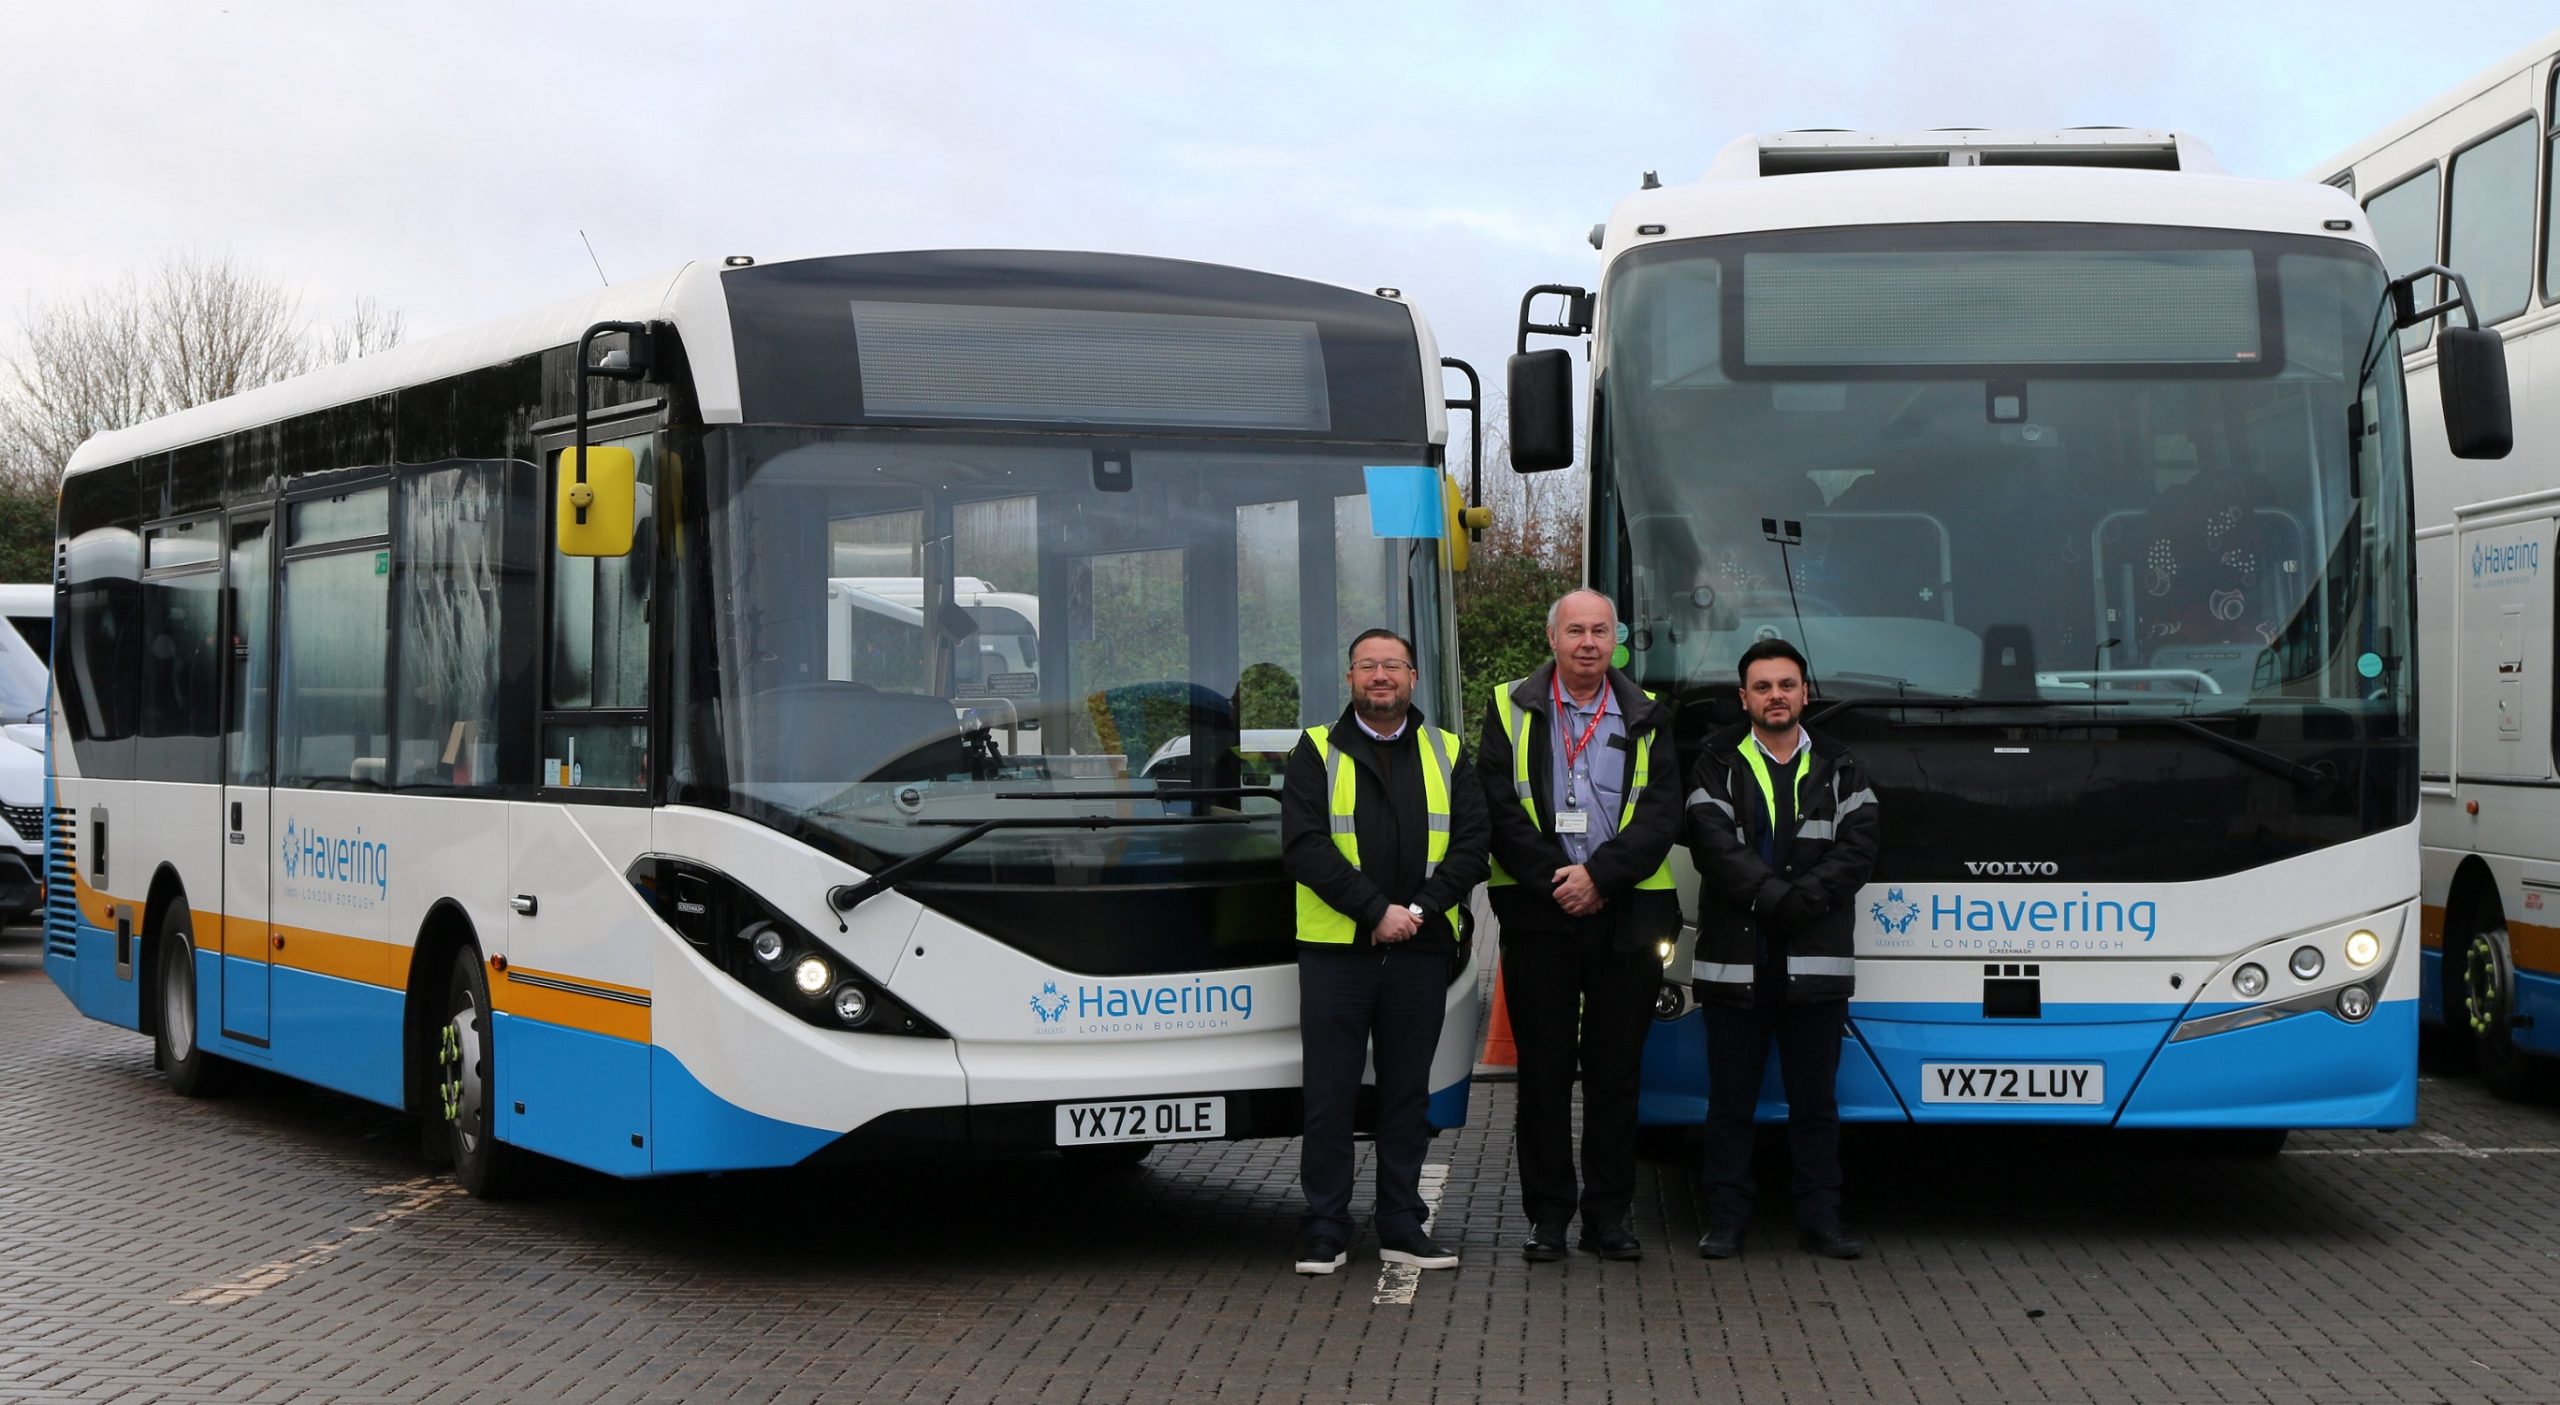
x,y
635,367
1474,406
1577,313
2404,298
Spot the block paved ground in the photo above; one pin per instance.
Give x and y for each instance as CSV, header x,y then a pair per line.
x,y
284,1244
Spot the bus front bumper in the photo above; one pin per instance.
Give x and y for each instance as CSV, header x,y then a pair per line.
x,y
2311,1069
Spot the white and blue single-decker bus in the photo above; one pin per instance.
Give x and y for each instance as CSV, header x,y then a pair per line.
x,y
768,713
2080,472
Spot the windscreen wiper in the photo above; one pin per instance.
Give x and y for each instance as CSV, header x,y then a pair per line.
x,y
846,897
1162,792
2300,773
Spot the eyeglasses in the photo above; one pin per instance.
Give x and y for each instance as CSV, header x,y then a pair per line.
x,y
1382,666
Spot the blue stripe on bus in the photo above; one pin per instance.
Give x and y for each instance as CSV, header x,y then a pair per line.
x,y
1672,1091
337,1033
698,1130
2308,1070
1449,1105
2537,1001
2311,1070
91,981
581,1097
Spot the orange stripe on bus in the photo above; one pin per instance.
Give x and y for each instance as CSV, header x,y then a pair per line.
x,y
2535,948
597,1013
386,964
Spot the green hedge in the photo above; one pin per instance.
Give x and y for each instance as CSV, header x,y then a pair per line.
x,y
26,536
1502,624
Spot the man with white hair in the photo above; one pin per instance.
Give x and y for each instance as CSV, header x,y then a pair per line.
x,y
1585,795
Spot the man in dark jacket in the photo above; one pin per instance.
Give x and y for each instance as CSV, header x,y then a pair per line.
x,y
1783,828
1382,830
1584,788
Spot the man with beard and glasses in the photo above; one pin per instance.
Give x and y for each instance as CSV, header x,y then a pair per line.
x,y
1383,831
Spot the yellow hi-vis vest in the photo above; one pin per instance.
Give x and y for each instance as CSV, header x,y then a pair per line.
x,y
1317,919
1515,726
1760,772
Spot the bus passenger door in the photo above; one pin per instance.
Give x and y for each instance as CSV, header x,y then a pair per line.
x,y
248,707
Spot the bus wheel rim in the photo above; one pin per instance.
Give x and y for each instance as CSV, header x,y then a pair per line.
x,y
2480,985
463,1090
178,998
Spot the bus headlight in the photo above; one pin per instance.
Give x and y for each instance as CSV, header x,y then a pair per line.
x,y
2250,980
1663,950
852,1005
765,940
2354,1003
811,975
2306,963
2363,949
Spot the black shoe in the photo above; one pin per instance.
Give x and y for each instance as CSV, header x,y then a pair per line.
x,y
1610,1240
1832,1241
1545,1244
1721,1241
1321,1253
1415,1247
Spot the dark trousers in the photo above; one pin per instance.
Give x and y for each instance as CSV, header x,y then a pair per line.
x,y
1575,1002
1807,1038
1391,998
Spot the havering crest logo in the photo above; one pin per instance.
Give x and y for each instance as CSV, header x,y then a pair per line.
x,y
1896,913
1049,1005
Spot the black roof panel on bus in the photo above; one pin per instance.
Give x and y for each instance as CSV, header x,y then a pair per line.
x,y
1309,360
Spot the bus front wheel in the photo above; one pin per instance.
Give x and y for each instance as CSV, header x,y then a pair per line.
x,y
193,1073
2488,1011
466,1084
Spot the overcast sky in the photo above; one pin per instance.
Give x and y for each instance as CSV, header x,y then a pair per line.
x,y
442,156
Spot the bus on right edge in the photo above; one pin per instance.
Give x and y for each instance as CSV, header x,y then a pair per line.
x,y
2464,181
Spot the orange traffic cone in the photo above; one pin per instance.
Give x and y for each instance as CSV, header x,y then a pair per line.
x,y
1499,1051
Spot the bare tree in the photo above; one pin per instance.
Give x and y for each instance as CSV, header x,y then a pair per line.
x,y
197,329
1535,515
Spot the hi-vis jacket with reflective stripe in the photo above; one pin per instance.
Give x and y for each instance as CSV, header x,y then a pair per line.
x,y
1730,808
1365,825
1633,869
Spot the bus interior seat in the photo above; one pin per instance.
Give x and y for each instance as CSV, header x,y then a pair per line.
x,y
2206,561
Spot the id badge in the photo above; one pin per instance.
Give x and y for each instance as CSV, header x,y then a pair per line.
x,y
1573,822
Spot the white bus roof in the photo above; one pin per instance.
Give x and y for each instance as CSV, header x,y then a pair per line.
x,y
1737,198
2438,106
689,296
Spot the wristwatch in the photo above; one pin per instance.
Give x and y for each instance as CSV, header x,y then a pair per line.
x,y
1416,910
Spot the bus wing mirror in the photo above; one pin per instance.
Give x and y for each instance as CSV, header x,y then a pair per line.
x,y
598,503
2471,381
1541,395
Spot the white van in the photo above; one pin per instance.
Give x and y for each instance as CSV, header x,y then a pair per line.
x,y
30,612
22,730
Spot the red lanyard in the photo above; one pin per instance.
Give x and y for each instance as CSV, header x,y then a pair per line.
x,y
1573,749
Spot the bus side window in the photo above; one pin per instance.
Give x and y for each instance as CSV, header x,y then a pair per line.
x,y
600,650
332,669
450,592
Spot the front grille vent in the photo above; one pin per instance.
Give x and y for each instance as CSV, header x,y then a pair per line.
x,y
61,892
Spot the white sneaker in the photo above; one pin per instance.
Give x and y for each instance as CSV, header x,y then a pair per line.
x,y
1322,1253
1416,1249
